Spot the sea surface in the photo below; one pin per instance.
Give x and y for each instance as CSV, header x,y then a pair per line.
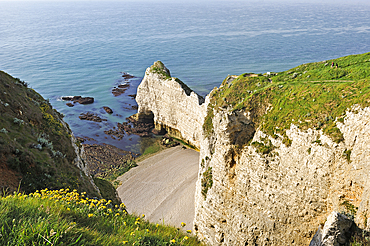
x,y
83,47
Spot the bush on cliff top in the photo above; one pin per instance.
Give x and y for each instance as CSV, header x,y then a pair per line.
x,y
312,95
63,217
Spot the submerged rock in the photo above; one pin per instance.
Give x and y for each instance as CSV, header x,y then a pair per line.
x,y
91,117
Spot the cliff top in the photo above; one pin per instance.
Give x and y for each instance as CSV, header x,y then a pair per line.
x,y
312,95
159,68
35,144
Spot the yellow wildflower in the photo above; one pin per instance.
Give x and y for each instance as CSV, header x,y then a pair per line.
x,y
188,231
90,215
173,241
124,242
183,224
186,238
117,214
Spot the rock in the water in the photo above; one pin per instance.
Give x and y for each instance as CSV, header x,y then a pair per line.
x,y
108,110
70,104
120,89
127,76
336,231
91,117
79,99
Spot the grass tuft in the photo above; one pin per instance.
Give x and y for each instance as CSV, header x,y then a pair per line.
x,y
313,95
64,217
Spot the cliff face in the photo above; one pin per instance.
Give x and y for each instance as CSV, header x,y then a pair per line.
x,y
172,105
278,153
37,148
281,198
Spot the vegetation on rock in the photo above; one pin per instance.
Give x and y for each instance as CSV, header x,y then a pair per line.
x,y
159,68
35,144
206,181
313,95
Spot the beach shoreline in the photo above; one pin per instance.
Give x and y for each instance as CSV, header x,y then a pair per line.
x,y
162,187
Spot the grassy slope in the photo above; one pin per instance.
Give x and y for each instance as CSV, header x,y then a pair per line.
x,y
27,121
312,95
63,217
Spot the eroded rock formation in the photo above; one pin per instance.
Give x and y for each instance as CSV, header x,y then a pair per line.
x,y
281,197
257,189
171,104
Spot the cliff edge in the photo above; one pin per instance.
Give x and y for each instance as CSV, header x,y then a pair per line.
x,y
279,152
37,148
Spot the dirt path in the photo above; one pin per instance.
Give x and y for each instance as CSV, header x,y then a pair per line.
x,y
163,187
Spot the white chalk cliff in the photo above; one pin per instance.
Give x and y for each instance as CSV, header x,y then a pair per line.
x,y
245,197
173,105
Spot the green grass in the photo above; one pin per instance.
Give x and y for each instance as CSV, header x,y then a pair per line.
x,y
310,96
30,120
159,68
64,217
107,190
156,147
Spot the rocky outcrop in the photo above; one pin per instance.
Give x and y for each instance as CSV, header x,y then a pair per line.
x,y
260,189
80,160
280,198
336,231
171,104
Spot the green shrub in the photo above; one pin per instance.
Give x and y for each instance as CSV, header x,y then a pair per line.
x,y
206,181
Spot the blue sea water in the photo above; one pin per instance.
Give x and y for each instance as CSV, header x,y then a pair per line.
x,y
81,48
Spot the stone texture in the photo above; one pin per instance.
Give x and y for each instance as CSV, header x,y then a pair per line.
x,y
282,197
79,161
172,108
336,231
278,198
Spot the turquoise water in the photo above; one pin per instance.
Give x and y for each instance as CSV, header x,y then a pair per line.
x,y
81,48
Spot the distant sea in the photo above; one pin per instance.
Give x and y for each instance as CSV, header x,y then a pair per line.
x,y
82,48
